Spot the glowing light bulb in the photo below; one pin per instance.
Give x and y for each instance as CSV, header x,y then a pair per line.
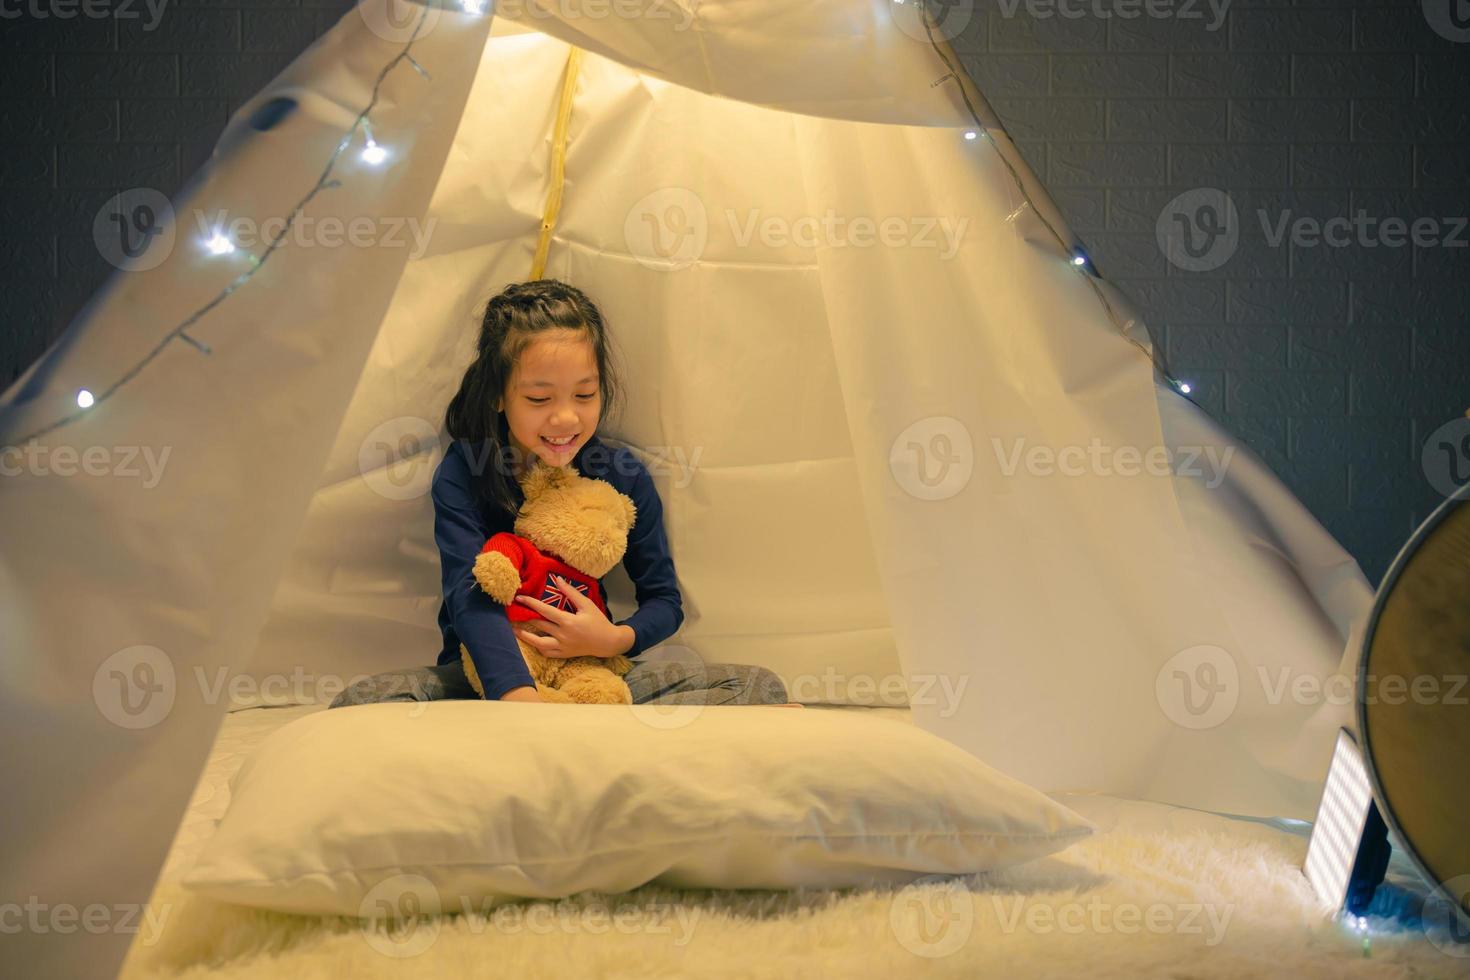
x,y
971,134
475,7
1079,259
219,245
373,153
84,398
1186,387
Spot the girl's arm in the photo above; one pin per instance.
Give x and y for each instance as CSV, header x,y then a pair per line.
x,y
649,565
479,621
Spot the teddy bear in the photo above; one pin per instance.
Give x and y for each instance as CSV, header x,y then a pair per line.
x,y
576,528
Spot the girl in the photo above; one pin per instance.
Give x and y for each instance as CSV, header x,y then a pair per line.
x,y
537,388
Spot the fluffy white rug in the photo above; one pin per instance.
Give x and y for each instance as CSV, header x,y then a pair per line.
x,y
1159,892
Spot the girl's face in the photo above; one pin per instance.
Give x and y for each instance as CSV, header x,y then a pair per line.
x,y
553,392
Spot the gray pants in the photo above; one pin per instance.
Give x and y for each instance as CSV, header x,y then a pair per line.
x,y
663,682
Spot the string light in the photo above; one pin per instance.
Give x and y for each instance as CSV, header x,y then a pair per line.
x,y
219,244
373,153
1359,924
1184,386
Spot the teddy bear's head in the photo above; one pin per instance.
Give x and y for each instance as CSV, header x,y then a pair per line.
x,y
582,521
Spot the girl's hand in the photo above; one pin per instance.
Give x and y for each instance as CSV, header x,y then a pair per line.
x,y
584,633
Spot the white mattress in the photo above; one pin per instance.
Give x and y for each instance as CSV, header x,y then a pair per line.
x,y
1146,856
239,733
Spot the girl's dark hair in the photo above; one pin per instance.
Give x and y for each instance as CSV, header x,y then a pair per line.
x,y
513,319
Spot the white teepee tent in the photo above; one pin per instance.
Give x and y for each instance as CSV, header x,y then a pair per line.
x,y
897,430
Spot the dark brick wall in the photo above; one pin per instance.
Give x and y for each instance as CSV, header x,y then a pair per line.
x,y
1334,363
93,105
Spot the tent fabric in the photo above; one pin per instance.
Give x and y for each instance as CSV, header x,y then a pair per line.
x,y
130,606
864,60
833,427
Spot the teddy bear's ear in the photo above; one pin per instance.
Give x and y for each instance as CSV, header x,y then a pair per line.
x,y
541,477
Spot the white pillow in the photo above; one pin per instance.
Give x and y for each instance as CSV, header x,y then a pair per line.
x,y
469,804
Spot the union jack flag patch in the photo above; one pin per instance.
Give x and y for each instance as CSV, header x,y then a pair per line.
x,y
554,597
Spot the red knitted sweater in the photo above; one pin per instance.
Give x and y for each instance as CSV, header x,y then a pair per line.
x,y
536,568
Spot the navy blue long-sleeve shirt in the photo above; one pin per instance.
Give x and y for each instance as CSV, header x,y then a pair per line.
x,y
462,525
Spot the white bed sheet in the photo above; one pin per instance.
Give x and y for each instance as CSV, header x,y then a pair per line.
x,y
1146,855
